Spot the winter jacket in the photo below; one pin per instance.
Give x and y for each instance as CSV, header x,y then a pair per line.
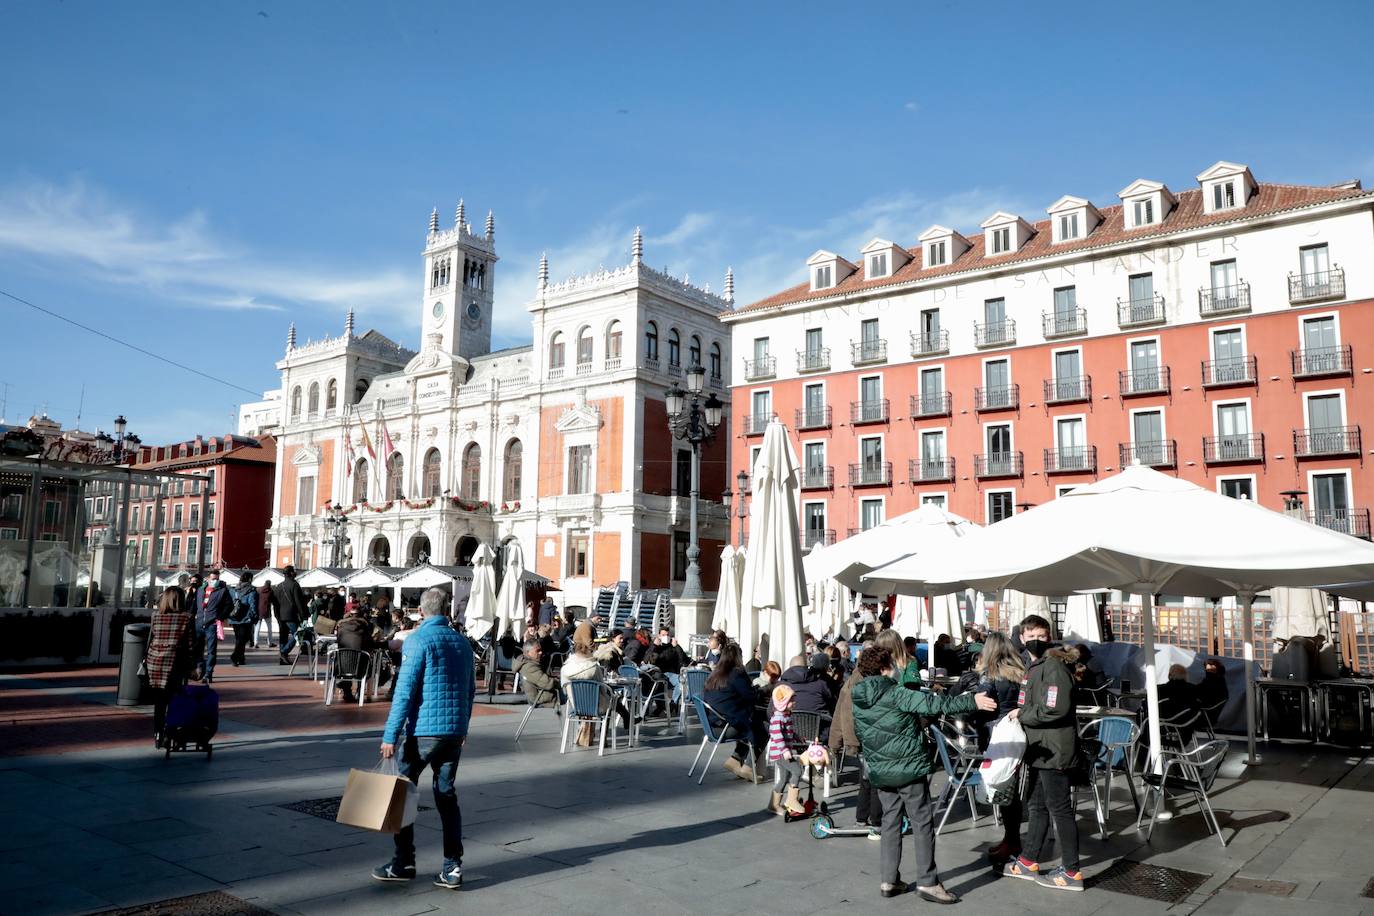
x,y
212,605
436,685
267,601
635,650
171,649
583,668
245,599
609,655
291,605
357,632
887,718
541,688
669,659
1048,713
842,733
735,702
813,693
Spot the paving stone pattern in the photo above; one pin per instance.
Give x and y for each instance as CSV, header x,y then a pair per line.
x,y
104,825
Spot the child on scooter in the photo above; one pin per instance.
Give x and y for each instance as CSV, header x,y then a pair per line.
x,y
781,744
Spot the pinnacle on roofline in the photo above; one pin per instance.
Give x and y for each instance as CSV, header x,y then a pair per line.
x,y
729,293
637,247
460,216
291,337
434,220
491,225
348,324
544,270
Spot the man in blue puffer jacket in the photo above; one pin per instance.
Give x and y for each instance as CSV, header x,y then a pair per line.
x,y
430,710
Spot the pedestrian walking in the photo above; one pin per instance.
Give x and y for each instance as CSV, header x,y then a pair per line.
x,y
213,606
171,654
887,718
291,610
1049,717
245,616
267,609
429,718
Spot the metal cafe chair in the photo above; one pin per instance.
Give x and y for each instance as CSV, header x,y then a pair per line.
x,y
1186,771
808,727
529,711
715,730
584,705
1116,738
963,773
347,665
693,685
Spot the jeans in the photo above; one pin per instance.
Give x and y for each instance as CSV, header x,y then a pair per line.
x,y
758,737
676,681
418,755
915,798
789,773
210,633
1051,798
243,633
287,635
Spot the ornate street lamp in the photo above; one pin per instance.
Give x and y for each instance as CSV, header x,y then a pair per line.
x,y
120,425
692,420
336,532
742,487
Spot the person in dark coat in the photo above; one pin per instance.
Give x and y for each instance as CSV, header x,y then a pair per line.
x,y
669,658
291,610
1212,692
729,692
214,604
267,610
1049,716
357,632
244,617
812,688
548,612
636,646
999,673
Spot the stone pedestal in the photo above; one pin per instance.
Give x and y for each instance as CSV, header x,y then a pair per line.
x,y
692,616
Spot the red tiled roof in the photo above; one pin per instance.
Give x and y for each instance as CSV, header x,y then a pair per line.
x,y
1188,214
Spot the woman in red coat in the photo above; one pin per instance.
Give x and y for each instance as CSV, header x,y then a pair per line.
x,y
171,653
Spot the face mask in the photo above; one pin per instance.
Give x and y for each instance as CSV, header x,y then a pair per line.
x,y
213,583
1037,647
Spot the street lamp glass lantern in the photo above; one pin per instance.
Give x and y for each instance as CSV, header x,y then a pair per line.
x,y
713,411
696,378
120,425
674,400
741,485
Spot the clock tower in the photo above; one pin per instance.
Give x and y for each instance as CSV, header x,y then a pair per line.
x,y
460,274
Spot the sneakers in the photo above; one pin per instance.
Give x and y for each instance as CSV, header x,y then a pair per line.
x,y
1020,868
393,872
875,834
450,877
892,890
1059,879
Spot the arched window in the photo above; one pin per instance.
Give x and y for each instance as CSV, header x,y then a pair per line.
x,y
314,404
512,468
470,484
613,336
395,476
359,389
296,403
584,347
674,347
360,481
331,395
715,361
694,352
379,551
556,350
651,342
431,480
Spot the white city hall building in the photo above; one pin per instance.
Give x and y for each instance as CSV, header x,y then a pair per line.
x,y
562,444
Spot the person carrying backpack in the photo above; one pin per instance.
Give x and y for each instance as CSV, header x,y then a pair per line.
x,y
244,617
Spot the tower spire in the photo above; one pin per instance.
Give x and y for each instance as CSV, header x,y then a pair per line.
x,y
637,246
434,220
461,216
348,324
291,337
544,270
729,284
491,225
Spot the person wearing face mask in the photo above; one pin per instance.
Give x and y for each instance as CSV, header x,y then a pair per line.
x,y
213,606
1048,715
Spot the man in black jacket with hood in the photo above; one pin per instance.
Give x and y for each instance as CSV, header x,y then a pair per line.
x,y
811,688
291,610
1049,717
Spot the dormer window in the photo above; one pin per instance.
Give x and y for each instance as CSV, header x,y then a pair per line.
x,y
828,269
883,258
941,246
936,254
1072,218
1226,186
1068,227
1144,212
877,265
1001,240
1004,233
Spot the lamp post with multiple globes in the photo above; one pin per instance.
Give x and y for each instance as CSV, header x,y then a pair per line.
x,y
693,420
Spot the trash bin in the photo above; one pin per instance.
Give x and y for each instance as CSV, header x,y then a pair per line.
x,y
133,690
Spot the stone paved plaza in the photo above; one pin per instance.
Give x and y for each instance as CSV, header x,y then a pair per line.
x,y
95,820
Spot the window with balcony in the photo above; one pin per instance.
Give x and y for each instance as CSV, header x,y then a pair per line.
x,y
178,518
1071,451
813,520
1148,445
176,551
296,403
1142,305
579,549
209,515
1069,383
872,469
1229,364
870,347
1331,505
395,476
430,484
1145,375
613,345
871,407
999,460
1326,432
1234,440
209,549
191,556
761,404
932,400
331,396
1000,505
996,329
816,356
1321,352
815,472
762,365
194,521
870,513
1316,278
556,354
1067,318
933,463
997,393
579,479
584,348
813,413
313,408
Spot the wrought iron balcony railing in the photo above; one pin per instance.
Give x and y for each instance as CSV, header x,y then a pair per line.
x,y
1238,370
863,352
994,333
929,343
870,474
818,478
874,411
998,464
930,470
761,368
813,417
1131,313
1321,361
932,404
818,537
1224,300
1330,440
1007,397
1233,449
1354,521
1154,380
1068,390
1315,286
1080,459
816,360
1158,453
1065,324
756,424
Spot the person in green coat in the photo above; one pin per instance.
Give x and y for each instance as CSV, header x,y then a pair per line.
x,y
887,718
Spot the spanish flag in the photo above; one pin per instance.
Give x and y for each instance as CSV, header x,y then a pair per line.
x,y
367,442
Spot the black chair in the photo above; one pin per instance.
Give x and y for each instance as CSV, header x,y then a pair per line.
x,y
347,665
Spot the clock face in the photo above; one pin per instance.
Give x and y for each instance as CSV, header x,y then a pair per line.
x,y
438,311
474,311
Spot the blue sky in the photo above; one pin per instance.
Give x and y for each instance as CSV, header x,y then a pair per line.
x,y
194,176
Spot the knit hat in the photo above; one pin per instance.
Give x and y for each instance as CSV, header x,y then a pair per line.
x,y
782,694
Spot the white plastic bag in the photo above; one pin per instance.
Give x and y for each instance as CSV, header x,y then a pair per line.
x,y
1006,748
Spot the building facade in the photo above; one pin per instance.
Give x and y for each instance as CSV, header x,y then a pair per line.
x,y
561,445
1218,333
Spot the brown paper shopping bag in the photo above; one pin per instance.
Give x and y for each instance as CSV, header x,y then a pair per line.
x,y
378,799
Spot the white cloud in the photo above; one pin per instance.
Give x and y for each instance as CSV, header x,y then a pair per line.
x,y
82,228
